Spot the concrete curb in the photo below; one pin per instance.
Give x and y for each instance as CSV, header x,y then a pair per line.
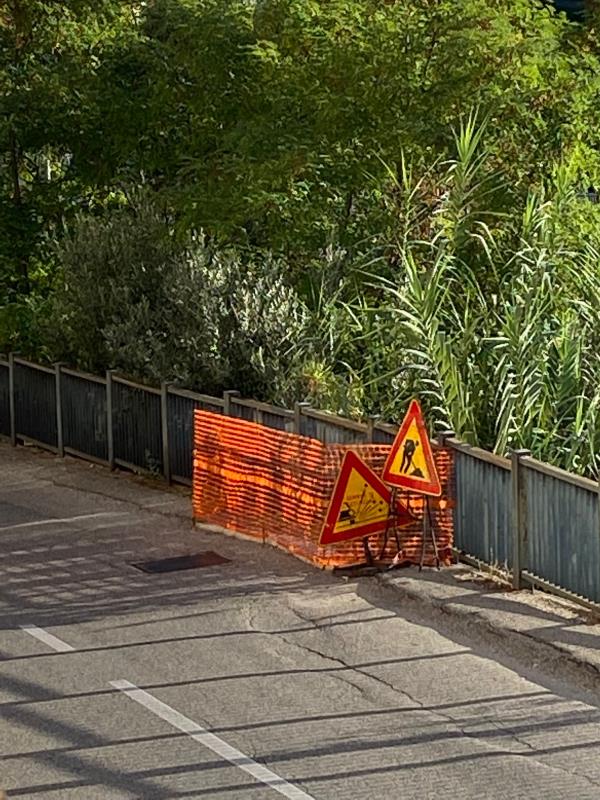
x,y
427,602
113,493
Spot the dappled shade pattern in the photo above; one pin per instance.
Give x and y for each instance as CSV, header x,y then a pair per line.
x,y
276,487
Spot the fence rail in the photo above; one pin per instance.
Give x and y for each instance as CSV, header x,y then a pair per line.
x,y
534,521
118,421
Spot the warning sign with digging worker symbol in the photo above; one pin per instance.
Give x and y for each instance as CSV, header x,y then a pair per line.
x,y
360,504
410,464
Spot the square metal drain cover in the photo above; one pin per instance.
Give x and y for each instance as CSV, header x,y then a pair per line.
x,y
206,559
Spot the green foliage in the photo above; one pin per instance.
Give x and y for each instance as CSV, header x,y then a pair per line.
x,y
130,296
269,196
497,324
268,123
50,55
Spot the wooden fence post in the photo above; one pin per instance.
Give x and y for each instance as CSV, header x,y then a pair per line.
x,y
109,418
59,415
444,436
228,394
372,421
11,398
298,416
164,423
519,516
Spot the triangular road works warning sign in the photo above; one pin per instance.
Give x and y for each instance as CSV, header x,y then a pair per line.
x,y
360,504
410,464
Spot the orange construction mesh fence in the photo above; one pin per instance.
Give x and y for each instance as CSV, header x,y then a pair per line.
x,y
276,487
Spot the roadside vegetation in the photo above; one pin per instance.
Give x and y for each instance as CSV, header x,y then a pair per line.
x,y
327,200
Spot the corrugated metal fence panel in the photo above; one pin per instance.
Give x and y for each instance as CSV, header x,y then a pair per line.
x,y
563,533
482,515
137,427
181,434
35,404
279,421
383,437
329,432
263,414
180,412
215,407
4,400
242,411
84,415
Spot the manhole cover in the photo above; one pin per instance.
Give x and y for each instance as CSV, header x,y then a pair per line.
x,y
206,559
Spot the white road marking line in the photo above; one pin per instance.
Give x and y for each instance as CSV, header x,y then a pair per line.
x,y
63,521
23,486
52,641
212,742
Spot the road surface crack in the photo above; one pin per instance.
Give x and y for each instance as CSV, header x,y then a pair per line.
x,y
531,752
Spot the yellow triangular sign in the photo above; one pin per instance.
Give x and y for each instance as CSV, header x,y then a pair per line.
x,y
410,464
360,504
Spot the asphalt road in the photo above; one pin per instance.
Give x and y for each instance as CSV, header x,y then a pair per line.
x,y
258,678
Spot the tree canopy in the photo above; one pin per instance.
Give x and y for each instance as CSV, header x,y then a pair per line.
x,y
301,149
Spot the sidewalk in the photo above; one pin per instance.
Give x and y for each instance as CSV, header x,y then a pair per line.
x,y
144,493
532,628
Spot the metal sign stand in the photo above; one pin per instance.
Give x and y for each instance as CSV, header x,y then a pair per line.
x,y
428,528
391,523
367,568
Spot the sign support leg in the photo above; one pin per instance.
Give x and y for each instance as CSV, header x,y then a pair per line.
x,y
428,529
391,523
368,554
398,545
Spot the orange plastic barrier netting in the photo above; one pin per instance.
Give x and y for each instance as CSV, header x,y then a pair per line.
x,y
276,487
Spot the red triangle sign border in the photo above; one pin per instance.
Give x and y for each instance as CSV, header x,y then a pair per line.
x,y
432,487
352,461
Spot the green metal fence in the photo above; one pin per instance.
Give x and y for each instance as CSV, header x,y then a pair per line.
x,y
4,398
536,523
539,524
120,422
482,514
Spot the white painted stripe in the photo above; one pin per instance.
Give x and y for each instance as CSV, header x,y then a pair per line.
x,y
23,486
212,742
63,521
47,638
